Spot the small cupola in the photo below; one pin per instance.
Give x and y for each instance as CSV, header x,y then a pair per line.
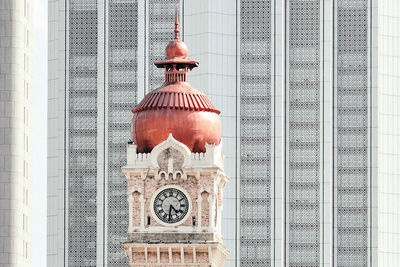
x,y
176,63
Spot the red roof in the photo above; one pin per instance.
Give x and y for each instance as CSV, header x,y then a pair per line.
x,y
176,96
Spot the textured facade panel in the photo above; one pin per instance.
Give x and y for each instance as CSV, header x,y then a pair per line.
x,y
82,143
255,133
303,132
122,96
161,18
352,134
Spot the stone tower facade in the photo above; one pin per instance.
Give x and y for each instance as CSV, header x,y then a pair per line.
x,y
161,237
175,172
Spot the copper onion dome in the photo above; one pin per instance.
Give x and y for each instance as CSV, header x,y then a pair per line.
x,y
176,107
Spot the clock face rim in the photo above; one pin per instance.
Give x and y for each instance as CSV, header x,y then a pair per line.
x,y
156,193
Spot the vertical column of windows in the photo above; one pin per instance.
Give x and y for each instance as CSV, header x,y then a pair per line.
x,y
122,97
255,133
82,132
161,18
25,211
303,134
352,133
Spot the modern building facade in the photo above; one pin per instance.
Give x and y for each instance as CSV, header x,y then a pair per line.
x,y
16,83
310,124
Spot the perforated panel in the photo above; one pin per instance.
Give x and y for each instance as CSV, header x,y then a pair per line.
x,y
161,32
352,133
303,150
255,133
82,155
122,88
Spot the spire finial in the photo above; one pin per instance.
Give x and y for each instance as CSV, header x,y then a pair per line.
x,y
176,25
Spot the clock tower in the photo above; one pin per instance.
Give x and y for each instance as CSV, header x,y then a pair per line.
x,y
175,173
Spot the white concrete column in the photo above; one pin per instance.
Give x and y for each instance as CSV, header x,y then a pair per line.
x,y
199,200
130,206
211,202
142,210
101,247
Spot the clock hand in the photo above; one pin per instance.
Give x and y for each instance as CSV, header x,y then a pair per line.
x,y
176,211
169,214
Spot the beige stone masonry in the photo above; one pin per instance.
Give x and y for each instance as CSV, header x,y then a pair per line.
x,y
175,254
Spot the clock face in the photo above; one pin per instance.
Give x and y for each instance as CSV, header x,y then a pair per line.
x,y
171,205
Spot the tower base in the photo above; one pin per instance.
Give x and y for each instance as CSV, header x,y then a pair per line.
x,y
175,254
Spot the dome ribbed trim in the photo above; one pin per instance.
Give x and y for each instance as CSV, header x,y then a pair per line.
x,y
176,100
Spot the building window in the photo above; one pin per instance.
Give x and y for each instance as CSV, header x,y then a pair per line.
x,y
26,36
26,88
25,249
26,202
25,169
25,222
